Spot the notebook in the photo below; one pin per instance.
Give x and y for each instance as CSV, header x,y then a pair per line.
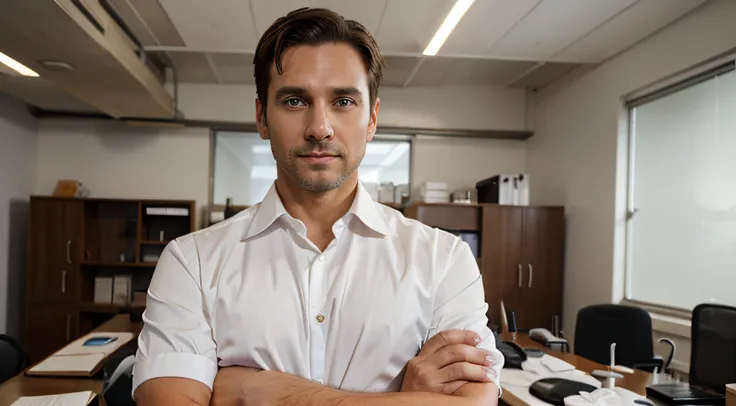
x,y
65,399
76,359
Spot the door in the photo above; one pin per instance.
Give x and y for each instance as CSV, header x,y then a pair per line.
x,y
50,328
501,258
55,229
542,263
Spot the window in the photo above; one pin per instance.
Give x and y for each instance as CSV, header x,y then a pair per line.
x,y
244,168
682,194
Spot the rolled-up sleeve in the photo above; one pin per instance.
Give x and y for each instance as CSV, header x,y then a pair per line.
x,y
460,303
176,340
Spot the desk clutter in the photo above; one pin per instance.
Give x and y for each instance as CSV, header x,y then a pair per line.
x,y
82,357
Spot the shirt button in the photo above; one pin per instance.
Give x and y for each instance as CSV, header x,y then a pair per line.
x,y
322,258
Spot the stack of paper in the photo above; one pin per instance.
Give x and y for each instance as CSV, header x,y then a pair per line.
x,y
65,399
76,359
434,192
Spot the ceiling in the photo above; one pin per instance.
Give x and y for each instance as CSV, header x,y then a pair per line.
x,y
514,43
517,43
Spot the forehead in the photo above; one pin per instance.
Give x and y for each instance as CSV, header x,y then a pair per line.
x,y
322,66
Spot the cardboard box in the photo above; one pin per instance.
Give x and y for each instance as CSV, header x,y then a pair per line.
x,y
731,394
103,290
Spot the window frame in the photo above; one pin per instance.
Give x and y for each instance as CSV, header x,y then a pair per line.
x,y
669,86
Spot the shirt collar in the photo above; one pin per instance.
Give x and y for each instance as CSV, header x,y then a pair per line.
x,y
272,208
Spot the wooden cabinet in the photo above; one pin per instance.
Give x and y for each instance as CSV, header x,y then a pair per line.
x,y
71,242
50,328
521,255
54,236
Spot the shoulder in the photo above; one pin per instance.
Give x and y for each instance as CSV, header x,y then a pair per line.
x,y
434,240
219,236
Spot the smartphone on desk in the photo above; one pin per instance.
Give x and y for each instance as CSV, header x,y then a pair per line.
x,y
98,341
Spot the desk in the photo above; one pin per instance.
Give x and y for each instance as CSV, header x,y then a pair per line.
x,y
636,382
22,385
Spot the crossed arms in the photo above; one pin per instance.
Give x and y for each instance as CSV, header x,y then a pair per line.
x,y
449,370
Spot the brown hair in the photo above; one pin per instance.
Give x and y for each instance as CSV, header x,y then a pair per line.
x,y
314,26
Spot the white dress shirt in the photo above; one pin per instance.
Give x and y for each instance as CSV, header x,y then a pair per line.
x,y
254,291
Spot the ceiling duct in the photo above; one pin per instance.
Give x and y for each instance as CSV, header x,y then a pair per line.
x,y
110,71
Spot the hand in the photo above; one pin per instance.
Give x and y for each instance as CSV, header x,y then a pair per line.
x,y
447,361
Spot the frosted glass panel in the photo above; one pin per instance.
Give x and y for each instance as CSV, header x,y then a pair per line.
x,y
244,168
682,240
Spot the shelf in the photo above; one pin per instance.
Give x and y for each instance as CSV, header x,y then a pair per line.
x,y
106,308
120,264
154,242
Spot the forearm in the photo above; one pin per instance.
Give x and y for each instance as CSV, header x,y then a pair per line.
x,y
295,391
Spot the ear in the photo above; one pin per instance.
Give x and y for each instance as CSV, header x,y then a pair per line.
x,y
373,121
261,123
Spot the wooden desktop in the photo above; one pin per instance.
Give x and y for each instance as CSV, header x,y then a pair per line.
x,y
22,385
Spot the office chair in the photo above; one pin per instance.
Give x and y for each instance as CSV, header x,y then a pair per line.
x,y
713,353
629,327
12,358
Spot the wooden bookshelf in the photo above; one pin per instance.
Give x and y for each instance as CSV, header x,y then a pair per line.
x,y
72,241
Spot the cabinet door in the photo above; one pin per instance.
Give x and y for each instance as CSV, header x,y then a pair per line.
x,y
54,226
543,251
50,328
501,258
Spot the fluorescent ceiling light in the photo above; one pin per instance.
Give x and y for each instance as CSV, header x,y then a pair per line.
x,y
16,66
457,12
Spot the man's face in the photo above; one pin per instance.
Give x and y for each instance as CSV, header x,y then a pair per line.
x,y
319,117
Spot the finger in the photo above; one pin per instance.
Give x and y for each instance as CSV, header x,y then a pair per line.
x,y
449,337
465,371
451,354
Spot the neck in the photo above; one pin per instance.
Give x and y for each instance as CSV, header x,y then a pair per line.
x,y
320,209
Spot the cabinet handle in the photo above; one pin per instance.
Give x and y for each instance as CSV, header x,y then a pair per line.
x,y
531,275
69,252
63,282
521,282
68,327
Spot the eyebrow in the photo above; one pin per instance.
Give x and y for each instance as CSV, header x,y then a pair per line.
x,y
304,93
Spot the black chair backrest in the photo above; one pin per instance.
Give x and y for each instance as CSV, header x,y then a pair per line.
x,y
713,346
12,358
600,325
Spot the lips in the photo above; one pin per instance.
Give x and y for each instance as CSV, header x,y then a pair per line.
x,y
318,158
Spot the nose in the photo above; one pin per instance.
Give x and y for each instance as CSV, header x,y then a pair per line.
x,y
318,127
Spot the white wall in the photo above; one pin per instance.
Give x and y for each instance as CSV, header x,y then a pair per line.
x,y
577,157
461,162
120,161
17,167
233,177
459,107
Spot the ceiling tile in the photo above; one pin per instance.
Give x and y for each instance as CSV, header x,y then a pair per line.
x,y
193,67
553,25
484,24
398,69
149,22
365,12
623,31
408,25
466,71
134,21
432,72
213,25
234,68
545,75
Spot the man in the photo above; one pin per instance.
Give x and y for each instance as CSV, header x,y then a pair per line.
x,y
317,295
